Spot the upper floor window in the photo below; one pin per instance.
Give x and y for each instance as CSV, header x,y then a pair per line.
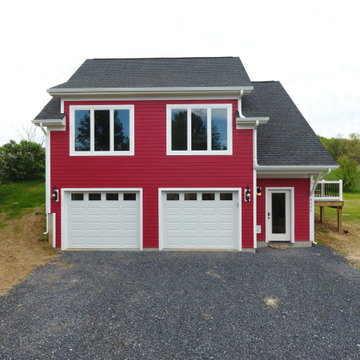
x,y
199,129
102,130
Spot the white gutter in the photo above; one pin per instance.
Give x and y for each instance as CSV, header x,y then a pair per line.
x,y
149,90
294,169
49,122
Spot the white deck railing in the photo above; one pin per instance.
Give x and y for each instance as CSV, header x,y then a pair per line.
x,y
329,191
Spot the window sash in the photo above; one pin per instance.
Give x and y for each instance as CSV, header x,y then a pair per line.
x,y
92,151
209,109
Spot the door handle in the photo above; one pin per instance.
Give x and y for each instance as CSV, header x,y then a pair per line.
x,y
268,214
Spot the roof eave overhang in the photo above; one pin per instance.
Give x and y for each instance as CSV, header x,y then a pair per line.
x,y
293,169
157,91
50,122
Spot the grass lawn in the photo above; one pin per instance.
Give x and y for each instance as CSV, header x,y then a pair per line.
x,y
23,246
16,199
346,244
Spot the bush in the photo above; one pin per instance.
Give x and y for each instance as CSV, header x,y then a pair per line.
x,y
23,161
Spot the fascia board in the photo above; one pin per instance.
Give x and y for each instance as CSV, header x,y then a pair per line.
x,y
149,91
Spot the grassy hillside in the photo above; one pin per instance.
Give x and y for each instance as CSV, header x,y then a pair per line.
x,y
347,243
17,199
23,246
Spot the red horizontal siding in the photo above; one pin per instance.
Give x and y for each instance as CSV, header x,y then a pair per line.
x,y
150,168
301,198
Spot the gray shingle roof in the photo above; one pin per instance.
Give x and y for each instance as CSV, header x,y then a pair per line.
x,y
287,139
51,111
159,72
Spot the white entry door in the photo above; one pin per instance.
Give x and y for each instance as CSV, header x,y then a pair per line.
x,y
206,219
278,215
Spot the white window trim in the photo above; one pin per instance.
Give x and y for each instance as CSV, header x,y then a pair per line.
x,y
188,107
92,152
64,214
161,211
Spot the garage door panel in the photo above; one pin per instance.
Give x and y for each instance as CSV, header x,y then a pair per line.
x,y
211,221
109,222
191,211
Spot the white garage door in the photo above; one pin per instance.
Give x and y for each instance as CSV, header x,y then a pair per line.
x,y
107,219
200,219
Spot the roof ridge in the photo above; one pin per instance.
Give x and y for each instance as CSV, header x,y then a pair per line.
x,y
170,58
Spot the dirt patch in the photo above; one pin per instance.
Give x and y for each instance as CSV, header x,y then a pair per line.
x,y
23,248
272,302
347,244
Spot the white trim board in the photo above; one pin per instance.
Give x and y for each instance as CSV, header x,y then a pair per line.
x,y
64,225
311,212
160,210
292,210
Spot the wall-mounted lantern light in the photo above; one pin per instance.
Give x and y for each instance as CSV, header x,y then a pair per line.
x,y
247,194
258,191
55,195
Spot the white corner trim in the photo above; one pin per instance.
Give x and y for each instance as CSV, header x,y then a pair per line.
x,y
48,172
160,222
160,210
54,229
311,212
255,184
255,208
64,200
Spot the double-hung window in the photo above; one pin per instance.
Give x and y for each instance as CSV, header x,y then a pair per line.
x,y
102,130
199,129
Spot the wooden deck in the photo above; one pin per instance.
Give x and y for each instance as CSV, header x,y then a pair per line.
x,y
330,194
335,204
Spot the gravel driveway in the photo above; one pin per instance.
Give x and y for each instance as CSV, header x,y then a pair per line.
x,y
275,304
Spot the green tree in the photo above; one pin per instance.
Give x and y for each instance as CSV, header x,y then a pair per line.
x,y
348,172
22,161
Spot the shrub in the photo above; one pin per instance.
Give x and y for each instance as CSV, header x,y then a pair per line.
x,y
22,161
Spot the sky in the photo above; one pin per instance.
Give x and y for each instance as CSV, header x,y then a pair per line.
x,y
312,47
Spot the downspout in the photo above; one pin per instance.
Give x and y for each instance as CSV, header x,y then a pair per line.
x,y
47,214
240,104
43,129
318,179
